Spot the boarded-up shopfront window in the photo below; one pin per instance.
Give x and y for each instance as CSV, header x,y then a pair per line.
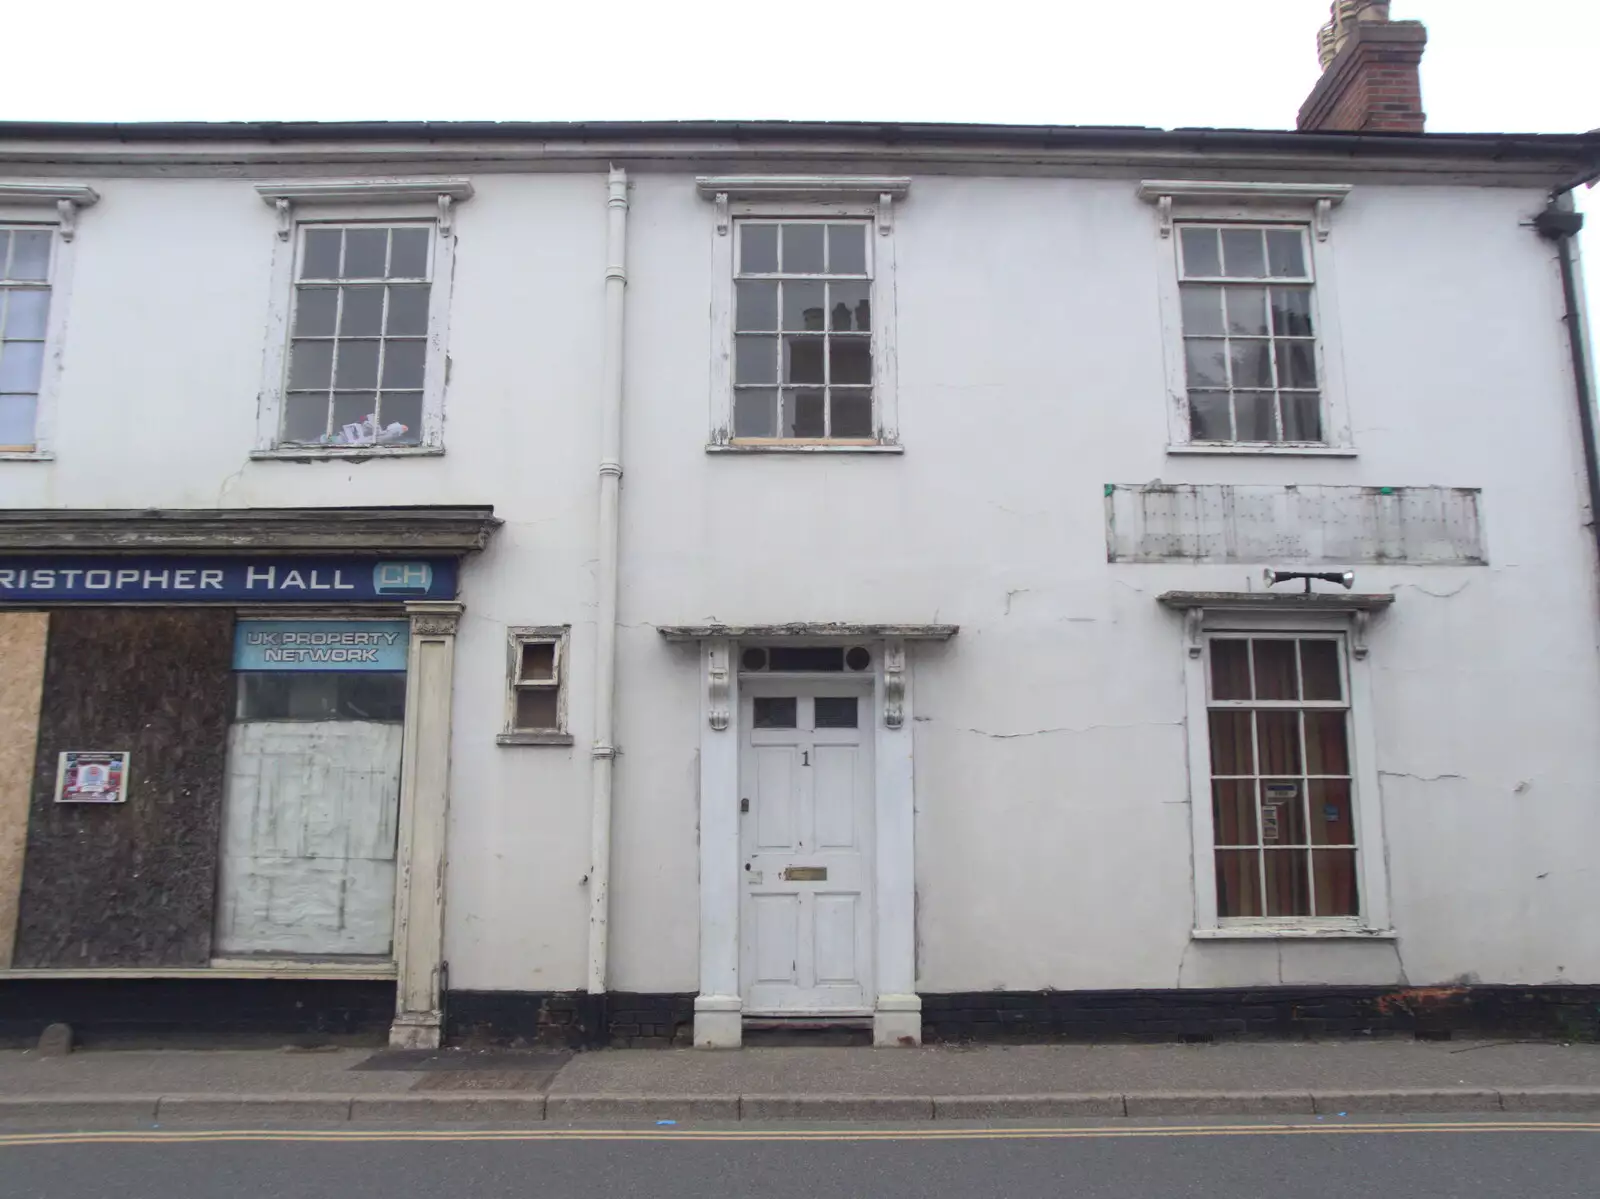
x,y
313,788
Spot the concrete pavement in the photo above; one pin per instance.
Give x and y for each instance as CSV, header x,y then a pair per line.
x,y
340,1086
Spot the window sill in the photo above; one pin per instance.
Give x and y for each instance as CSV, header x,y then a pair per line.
x,y
551,738
1292,932
314,453
805,447
1266,451
26,456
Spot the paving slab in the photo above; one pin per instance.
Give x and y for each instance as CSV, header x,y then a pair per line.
x,y
84,1109
194,1071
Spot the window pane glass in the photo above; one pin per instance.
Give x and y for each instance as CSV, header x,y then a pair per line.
x,y
30,255
315,311
537,662
357,365
802,359
355,408
402,408
835,712
408,253
361,312
1210,416
1252,365
365,252
1283,812
849,307
319,254
310,364
1275,670
1200,253
1326,751
537,708
1332,818
316,695
1232,749
27,310
1202,309
852,413
403,363
775,711
1319,670
802,414
1278,742
1244,253
758,248
1297,364
1238,882
1302,416
1291,311
755,306
408,310
17,419
5,252
1254,413
1230,668
21,364
1208,365
851,359
755,413
305,417
1288,890
847,250
1286,254
804,306
1233,811
1334,871
805,657
1247,310
755,360
802,249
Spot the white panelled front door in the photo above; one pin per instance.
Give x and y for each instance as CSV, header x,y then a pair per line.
x,y
806,823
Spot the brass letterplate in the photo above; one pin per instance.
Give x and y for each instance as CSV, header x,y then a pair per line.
x,y
806,874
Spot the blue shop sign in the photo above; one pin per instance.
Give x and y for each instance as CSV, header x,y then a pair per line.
x,y
320,644
169,580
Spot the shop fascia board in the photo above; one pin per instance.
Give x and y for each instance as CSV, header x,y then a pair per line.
x,y
409,530
837,630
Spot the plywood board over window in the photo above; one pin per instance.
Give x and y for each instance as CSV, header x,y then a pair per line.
x,y
22,641
130,884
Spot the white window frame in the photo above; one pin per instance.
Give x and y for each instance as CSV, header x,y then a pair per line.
x,y
518,636
1372,877
805,197
49,205
1308,206
303,203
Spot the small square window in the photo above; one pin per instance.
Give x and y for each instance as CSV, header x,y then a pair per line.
x,y
536,684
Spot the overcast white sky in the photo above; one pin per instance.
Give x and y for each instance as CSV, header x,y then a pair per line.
x,y
1491,65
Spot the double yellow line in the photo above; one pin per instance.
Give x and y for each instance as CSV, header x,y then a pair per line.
x,y
361,1136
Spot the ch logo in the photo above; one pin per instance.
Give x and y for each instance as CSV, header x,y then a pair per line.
x,y
402,578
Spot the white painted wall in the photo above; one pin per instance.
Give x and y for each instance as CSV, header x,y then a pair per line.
x,y
1053,829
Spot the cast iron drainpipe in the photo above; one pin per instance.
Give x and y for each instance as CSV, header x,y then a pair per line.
x,y
1560,223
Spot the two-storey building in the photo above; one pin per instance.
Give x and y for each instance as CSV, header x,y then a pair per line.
x,y
637,582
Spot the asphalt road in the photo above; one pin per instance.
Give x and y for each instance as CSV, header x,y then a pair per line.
x,y
1420,1159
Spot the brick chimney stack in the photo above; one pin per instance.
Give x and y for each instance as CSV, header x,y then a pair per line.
x,y
1371,82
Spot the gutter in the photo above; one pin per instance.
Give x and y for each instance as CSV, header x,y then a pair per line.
x,y
608,525
1498,147
1560,223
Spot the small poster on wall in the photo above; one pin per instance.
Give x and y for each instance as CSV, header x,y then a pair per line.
x,y
91,776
